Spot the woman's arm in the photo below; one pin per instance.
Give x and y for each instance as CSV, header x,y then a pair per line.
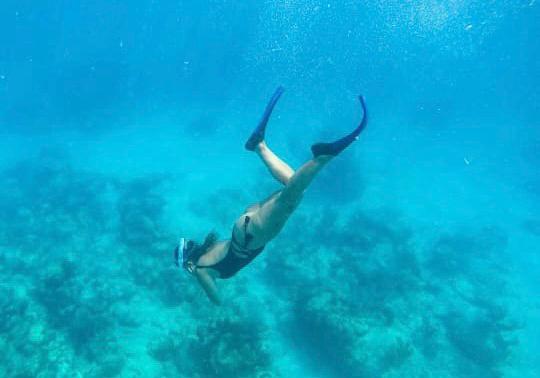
x,y
208,284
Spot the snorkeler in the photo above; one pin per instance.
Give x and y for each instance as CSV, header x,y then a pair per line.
x,y
263,221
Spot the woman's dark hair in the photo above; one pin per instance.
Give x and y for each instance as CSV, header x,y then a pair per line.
x,y
209,241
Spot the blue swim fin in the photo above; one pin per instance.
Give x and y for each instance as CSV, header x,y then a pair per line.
x,y
258,134
334,148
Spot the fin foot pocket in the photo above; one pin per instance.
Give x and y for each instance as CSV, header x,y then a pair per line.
x,y
335,148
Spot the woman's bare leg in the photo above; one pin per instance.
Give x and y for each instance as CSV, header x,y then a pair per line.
x,y
299,182
277,167
280,170
273,214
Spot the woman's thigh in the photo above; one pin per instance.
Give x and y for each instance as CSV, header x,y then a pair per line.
x,y
270,218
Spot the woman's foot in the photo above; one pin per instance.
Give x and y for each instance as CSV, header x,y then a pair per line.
x,y
334,148
258,134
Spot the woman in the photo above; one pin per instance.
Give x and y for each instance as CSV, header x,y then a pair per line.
x,y
262,222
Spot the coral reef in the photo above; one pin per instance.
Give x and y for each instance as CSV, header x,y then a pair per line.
x,y
396,354
351,280
368,288
54,219
84,308
226,347
484,339
46,203
88,278
229,348
140,210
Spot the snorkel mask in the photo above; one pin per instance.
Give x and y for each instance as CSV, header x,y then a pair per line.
x,y
184,247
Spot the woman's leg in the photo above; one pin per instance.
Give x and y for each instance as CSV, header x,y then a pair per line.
x,y
299,182
277,167
272,215
280,170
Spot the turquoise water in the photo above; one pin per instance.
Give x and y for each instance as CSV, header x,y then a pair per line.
x,y
415,253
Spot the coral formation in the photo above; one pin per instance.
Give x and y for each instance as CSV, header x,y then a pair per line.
x,y
375,278
226,347
88,278
396,354
140,210
229,348
484,339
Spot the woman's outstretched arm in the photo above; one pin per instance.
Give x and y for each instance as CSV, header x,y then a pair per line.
x,y
208,284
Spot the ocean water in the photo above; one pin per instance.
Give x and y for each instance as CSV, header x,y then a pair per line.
x,y
415,253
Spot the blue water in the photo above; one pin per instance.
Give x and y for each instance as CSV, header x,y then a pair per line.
x,y
415,253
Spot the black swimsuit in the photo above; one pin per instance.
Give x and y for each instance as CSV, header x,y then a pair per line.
x,y
238,255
